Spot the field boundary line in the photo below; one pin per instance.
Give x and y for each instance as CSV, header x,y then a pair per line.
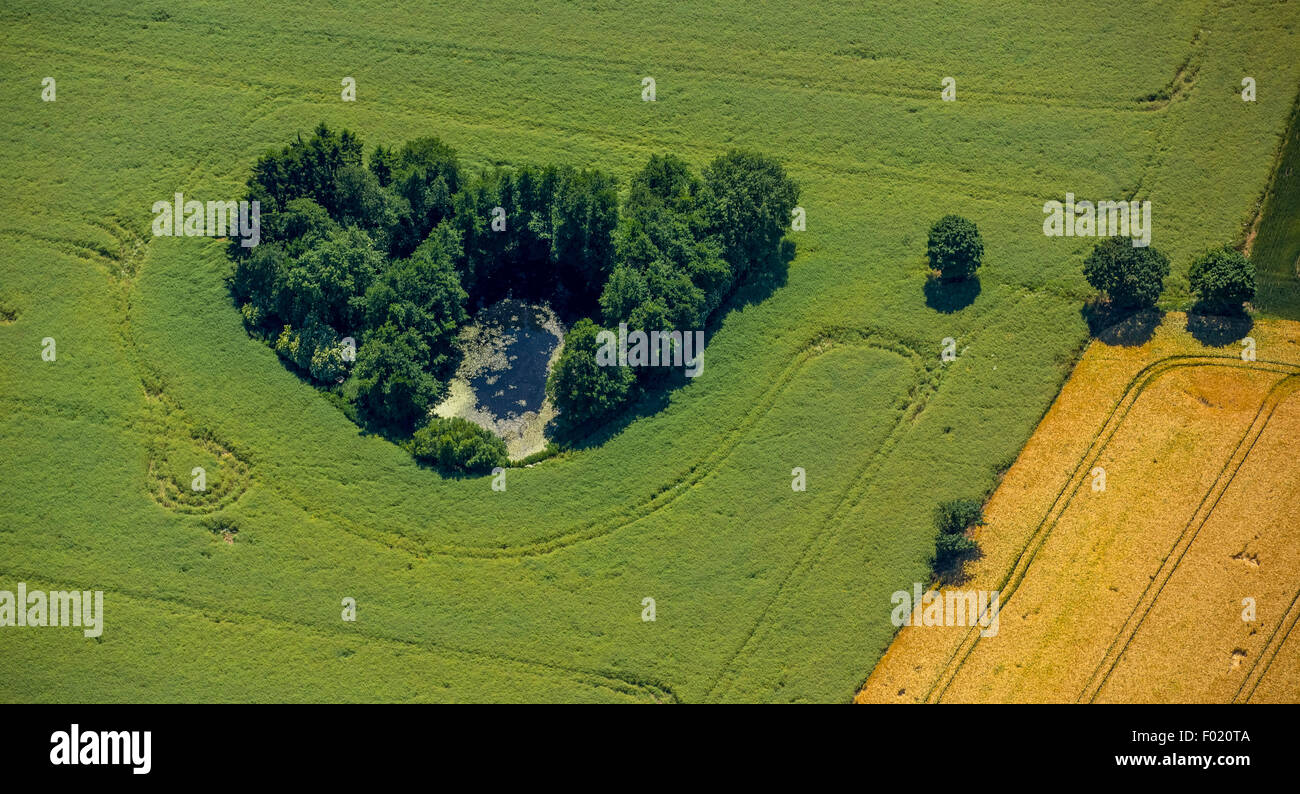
x,y
850,498
1101,439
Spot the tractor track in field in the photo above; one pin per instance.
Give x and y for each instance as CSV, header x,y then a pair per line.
x,y
390,47
122,280
1277,394
829,526
1251,682
1065,495
594,678
922,388
498,121
666,493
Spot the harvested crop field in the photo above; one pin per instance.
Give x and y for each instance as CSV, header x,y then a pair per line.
x,y
1175,578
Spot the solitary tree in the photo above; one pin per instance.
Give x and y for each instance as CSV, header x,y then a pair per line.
x,y
1131,277
955,247
951,546
1223,279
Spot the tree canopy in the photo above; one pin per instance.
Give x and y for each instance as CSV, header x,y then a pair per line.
x,y
955,247
1223,279
1131,277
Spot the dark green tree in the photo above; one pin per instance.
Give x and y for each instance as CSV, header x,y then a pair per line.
x,y
328,280
364,203
951,546
394,390
426,174
752,201
955,247
669,272
299,224
256,281
423,293
584,214
304,169
950,550
1131,277
958,515
1223,279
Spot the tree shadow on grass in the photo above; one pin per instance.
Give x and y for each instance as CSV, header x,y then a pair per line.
x,y
950,296
1122,327
1216,327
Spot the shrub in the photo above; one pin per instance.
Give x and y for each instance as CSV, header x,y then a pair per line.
x,y
951,550
457,445
1223,279
1131,277
958,515
951,546
955,247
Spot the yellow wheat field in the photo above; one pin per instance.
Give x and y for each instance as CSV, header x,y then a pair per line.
x,y
1141,591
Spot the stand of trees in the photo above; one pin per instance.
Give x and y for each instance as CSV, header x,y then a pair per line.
x,y
389,256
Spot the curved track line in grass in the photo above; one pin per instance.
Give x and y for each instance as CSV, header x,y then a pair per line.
x,y
829,339
832,523
1065,495
406,538
595,678
161,419
1281,390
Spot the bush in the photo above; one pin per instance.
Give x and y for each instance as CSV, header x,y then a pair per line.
x,y
457,445
952,547
1223,279
955,247
951,550
958,515
1131,277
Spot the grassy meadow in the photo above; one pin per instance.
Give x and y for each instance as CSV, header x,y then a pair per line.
x,y
464,593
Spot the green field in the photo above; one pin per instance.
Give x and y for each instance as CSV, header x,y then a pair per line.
x,y
535,593
1276,248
